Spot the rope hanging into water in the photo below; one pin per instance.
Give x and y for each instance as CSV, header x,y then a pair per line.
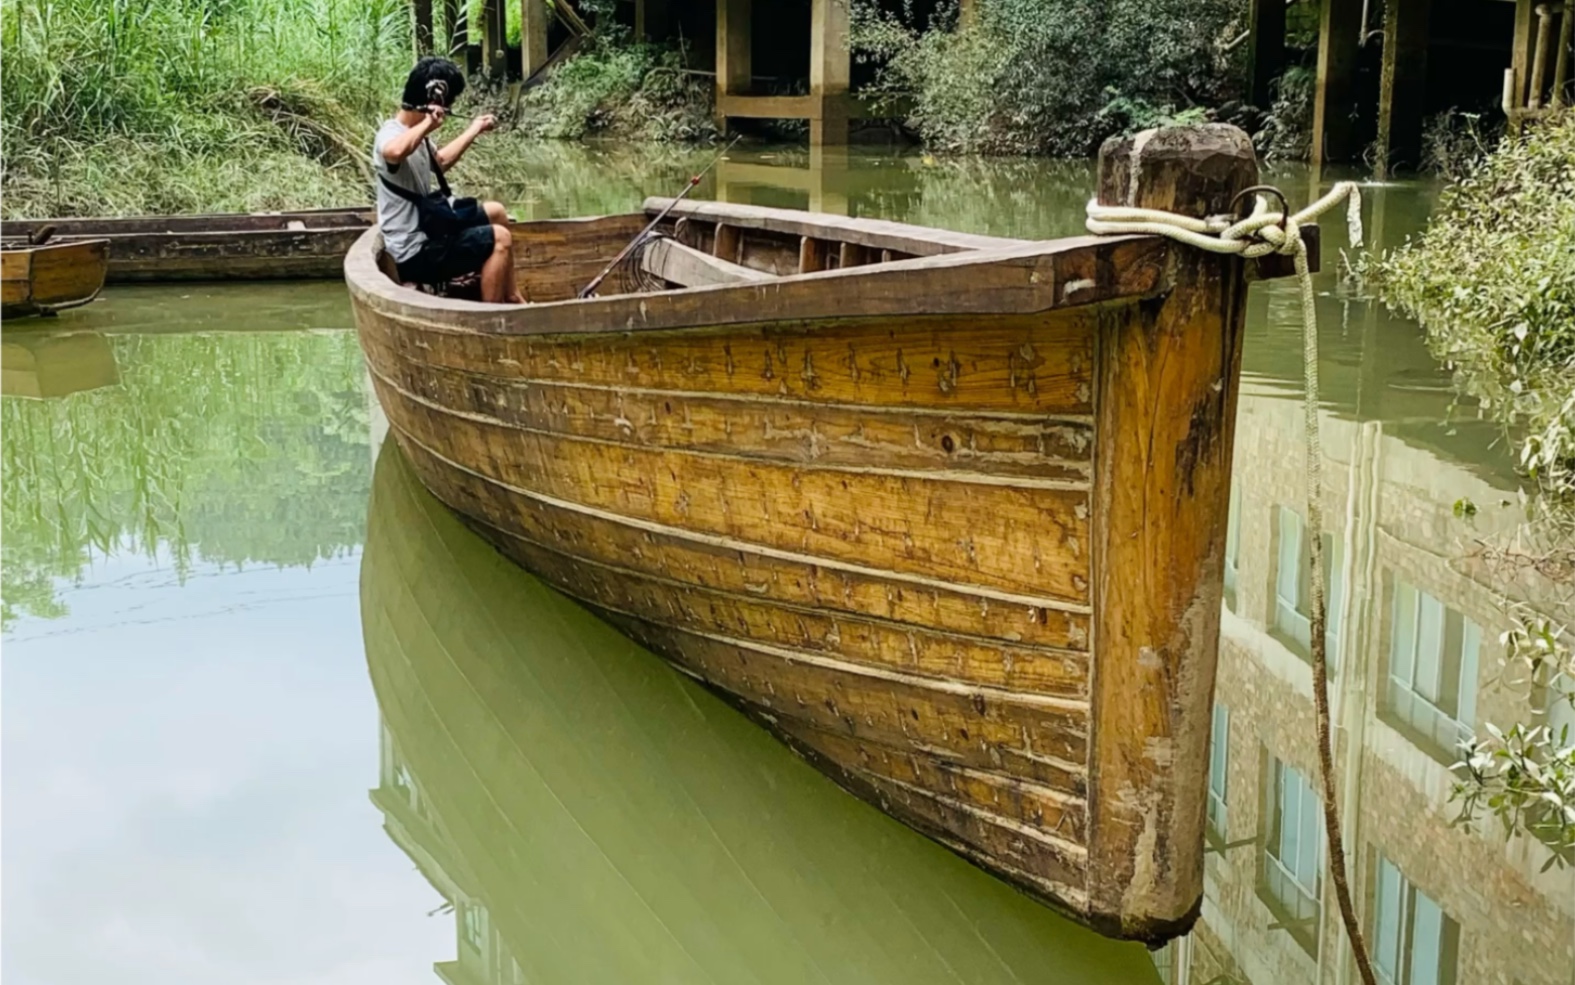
x,y
1261,233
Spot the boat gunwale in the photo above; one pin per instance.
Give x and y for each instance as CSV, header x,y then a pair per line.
x,y
1027,278
119,227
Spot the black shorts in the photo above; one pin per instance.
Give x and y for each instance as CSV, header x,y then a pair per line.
x,y
440,261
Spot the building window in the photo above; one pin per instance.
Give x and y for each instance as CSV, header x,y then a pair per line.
x,y
1219,754
1232,546
1293,587
1414,941
1292,869
473,927
1432,692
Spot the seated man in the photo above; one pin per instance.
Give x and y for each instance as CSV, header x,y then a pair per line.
x,y
473,238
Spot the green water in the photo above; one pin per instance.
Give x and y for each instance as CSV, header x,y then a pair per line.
x,y
230,615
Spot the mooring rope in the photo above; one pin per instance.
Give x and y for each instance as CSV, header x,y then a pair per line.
x,y
1261,233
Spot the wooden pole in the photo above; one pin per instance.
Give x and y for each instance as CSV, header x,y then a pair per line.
x,y
830,65
1402,84
422,15
533,36
1521,52
1334,100
733,40
1168,375
1265,49
1561,67
1539,58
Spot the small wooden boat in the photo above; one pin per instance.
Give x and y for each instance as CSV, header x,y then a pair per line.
x,y
607,821
945,512
37,280
257,246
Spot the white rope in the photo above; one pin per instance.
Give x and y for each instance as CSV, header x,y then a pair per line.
x,y
1260,234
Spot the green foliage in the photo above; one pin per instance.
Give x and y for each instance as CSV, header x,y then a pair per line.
x,y
1493,282
611,88
237,448
1287,131
1049,76
1526,778
150,105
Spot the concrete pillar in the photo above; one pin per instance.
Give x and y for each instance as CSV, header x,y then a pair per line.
x,y
830,66
733,65
494,35
1265,49
533,36
1334,101
1403,85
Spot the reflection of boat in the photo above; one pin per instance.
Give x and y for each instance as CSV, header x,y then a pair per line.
x,y
54,365
257,246
593,816
864,502
46,279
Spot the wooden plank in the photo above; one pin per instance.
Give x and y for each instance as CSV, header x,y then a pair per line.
x,y
1008,538
788,577
1168,383
779,430
917,241
111,226
1023,365
768,107
852,255
811,255
16,279
725,242
688,267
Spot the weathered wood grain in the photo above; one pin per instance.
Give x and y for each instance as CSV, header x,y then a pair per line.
x,y
685,266
1168,383
782,430
1009,538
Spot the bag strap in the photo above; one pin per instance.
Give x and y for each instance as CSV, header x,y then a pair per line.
x,y
403,193
437,169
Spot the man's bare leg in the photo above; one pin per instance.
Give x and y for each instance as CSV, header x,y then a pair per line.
x,y
499,217
497,273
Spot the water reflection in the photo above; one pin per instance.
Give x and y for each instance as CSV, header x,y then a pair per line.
x,y
242,446
592,815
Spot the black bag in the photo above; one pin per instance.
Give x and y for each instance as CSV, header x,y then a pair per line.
x,y
438,214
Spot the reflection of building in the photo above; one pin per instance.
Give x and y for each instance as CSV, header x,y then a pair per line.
x,y
480,955
1413,633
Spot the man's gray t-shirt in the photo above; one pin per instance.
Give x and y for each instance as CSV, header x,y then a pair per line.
x,y
398,217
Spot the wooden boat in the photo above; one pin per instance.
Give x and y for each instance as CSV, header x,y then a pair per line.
x,y
259,246
608,821
46,365
945,512
38,280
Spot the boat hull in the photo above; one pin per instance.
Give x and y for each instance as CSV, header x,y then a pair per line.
x,y
47,279
262,246
953,526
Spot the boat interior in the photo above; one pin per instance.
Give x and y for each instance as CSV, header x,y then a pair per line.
x,y
711,244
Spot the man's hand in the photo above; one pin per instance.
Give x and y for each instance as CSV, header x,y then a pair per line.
x,y
435,116
484,123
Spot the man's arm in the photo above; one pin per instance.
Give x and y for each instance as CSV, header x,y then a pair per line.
x,y
450,153
396,149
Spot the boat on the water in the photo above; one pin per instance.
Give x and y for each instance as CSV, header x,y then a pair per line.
x,y
242,246
945,512
41,280
595,818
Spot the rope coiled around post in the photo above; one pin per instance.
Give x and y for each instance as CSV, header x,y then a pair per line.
x,y
1261,233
